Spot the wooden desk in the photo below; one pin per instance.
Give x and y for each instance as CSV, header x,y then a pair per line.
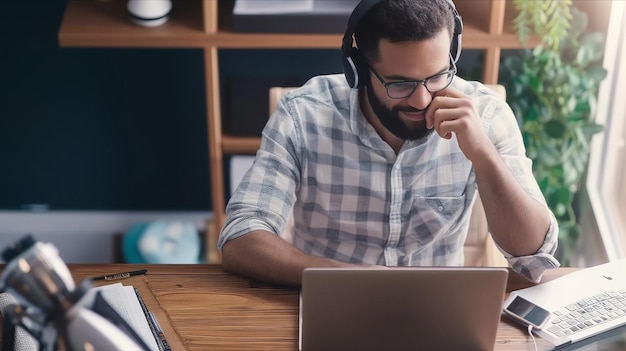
x,y
214,310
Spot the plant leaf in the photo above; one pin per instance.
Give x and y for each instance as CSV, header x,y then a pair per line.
x,y
590,129
594,43
555,129
597,73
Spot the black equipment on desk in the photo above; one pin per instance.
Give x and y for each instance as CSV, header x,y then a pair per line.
x,y
52,309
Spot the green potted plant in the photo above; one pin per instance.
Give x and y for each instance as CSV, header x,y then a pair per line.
x,y
552,90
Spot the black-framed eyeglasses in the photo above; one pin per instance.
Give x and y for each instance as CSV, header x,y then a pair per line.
x,y
405,88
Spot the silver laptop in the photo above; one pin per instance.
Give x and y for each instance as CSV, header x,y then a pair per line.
x,y
401,308
574,307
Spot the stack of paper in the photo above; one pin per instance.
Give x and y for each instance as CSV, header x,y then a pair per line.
x,y
126,302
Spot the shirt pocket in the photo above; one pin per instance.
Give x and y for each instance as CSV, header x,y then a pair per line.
x,y
432,217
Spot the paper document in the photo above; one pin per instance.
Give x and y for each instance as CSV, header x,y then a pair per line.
x,y
258,7
124,300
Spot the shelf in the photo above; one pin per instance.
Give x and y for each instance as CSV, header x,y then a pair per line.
x,y
240,145
226,39
473,38
107,24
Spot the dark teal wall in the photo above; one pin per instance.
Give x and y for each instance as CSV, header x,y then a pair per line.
x,y
114,129
104,129
85,129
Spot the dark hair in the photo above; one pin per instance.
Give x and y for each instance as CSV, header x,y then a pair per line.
x,y
401,20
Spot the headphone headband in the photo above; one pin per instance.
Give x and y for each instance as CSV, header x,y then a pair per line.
x,y
352,58
359,12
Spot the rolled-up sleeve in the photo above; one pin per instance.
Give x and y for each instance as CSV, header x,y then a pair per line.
x,y
264,198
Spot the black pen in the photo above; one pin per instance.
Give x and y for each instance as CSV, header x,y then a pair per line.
x,y
121,275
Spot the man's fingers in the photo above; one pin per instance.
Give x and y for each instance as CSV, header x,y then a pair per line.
x,y
441,100
444,123
450,92
445,129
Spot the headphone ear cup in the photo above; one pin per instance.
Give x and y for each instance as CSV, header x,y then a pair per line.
x,y
354,68
455,48
361,68
349,70
456,44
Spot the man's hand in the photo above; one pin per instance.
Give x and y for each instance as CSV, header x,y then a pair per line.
x,y
517,222
454,112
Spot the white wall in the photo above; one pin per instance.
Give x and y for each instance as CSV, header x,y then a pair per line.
x,y
83,236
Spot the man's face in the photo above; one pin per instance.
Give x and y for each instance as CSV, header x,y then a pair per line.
x,y
407,61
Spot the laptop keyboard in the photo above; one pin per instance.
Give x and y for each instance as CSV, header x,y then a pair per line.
x,y
589,312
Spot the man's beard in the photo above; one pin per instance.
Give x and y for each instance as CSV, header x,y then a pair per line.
x,y
390,119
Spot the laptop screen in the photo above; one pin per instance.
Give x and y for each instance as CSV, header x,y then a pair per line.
x,y
401,308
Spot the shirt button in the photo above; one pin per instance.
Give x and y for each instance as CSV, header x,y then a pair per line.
x,y
440,208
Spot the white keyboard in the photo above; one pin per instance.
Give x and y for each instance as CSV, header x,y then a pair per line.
x,y
582,304
589,312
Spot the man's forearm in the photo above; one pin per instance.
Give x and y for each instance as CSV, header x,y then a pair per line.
x,y
518,222
264,256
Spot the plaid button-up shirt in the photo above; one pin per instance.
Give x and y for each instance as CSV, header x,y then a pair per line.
x,y
326,182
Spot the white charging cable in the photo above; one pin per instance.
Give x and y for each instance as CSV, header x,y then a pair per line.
x,y
530,332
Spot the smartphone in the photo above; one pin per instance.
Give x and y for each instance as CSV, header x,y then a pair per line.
x,y
527,312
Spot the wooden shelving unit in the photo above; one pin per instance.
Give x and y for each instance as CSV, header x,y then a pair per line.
x,y
106,24
203,24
